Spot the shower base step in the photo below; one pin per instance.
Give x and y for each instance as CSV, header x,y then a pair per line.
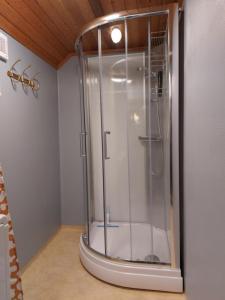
x,y
131,274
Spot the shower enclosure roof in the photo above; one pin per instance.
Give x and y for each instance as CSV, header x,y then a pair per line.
x,y
119,17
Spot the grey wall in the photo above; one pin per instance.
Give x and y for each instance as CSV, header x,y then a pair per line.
x,y
29,152
204,149
69,130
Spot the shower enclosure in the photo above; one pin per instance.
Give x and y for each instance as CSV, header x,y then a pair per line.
x,y
129,146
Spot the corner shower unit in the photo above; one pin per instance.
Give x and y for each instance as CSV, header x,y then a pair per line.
x,y
129,146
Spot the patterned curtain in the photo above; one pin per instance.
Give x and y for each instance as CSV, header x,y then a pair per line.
x,y
15,279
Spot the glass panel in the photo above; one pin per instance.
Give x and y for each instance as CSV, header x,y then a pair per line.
x,y
148,112
161,150
93,141
137,72
114,108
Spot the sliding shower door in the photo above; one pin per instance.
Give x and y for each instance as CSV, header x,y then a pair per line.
x,y
112,66
133,108
127,136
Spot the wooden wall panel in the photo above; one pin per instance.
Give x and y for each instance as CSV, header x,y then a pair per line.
x,y
49,27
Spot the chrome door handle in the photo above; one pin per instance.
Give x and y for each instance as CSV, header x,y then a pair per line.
x,y
82,144
105,145
148,139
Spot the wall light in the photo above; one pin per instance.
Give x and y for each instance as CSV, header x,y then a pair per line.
x,y
116,35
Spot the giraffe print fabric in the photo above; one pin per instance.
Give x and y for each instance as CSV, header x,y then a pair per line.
x,y
15,279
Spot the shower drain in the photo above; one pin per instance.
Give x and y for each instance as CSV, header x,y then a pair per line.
x,y
152,258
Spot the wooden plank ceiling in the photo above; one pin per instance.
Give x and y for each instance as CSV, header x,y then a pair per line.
x,y
49,27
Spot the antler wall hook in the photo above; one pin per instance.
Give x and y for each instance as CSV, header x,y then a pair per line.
x,y
12,74
24,79
35,85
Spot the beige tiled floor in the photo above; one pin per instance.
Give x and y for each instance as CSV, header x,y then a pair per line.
x,y
57,274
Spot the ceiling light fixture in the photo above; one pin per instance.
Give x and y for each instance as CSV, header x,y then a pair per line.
x,y
116,35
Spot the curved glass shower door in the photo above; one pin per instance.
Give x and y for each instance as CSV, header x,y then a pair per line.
x,y
127,137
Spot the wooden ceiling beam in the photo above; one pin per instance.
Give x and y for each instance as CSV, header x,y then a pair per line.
x,y
144,3
130,4
82,13
47,22
118,5
64,15
28,15
75,12
107,6
97,8
14,31
84,10
14,18
59,23
98,11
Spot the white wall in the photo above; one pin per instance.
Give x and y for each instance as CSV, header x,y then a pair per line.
x,y
204,149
